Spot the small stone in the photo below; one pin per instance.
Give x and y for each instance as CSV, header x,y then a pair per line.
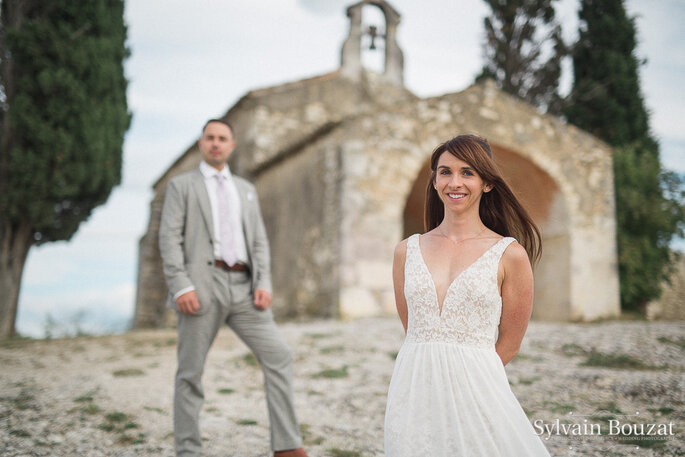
x,y
56,439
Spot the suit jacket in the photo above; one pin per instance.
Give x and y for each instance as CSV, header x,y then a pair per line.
x,y
186,235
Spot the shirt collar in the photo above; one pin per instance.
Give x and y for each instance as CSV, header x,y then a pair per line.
x,y
210,172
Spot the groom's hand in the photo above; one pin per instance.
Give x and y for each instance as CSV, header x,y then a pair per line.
x,y
188,303
262,298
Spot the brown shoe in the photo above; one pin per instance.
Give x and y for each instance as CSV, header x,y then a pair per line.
x,y
299,452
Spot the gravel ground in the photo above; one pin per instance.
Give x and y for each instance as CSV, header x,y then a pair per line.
x,y
111,395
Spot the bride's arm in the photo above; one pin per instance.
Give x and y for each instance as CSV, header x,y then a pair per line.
x,y
398,281
517,301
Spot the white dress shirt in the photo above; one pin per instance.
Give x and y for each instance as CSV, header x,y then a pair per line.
x,y
239,242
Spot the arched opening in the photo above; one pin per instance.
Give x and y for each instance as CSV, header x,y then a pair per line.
x,y
541,196
413,210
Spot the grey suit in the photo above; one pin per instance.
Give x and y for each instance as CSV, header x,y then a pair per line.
x,y
185,240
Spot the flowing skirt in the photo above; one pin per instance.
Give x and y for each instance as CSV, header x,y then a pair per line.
x,y
449,400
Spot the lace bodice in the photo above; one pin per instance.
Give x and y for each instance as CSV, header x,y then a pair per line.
x,y
472,306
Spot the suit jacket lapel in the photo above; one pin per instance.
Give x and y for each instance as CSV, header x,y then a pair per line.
x,y
200,191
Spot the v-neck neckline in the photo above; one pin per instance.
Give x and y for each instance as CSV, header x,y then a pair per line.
x,y
447,291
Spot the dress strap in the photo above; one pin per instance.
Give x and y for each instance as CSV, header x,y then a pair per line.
x,y
412,247
413,240
501,246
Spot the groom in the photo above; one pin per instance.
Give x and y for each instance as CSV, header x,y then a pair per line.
x,y
216,262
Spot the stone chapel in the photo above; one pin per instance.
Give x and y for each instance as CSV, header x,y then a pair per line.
x,y
340,162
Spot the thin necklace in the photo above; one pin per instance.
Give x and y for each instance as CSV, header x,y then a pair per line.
x,y
465,239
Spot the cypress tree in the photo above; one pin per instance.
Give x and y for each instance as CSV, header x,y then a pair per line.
x,y
523,51
649,212
606,101
63,115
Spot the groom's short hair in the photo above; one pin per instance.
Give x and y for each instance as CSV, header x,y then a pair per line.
x,y
220,121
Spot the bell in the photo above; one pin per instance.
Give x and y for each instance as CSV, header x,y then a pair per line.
x,y
373,32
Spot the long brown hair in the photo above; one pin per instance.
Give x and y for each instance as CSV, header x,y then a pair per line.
x,y
499,209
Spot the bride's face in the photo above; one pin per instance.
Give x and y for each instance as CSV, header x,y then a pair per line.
x,y
458,184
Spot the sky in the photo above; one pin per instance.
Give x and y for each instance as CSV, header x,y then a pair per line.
x,y
192,61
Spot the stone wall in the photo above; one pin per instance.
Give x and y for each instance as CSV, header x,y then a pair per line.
x,y
577,280
299,201
279,121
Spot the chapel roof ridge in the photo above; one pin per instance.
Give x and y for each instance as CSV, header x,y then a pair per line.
x,y
291,84
489,88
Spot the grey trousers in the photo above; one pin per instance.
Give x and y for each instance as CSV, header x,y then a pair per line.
x,y
231,302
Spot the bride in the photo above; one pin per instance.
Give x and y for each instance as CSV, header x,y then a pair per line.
x,y
464,293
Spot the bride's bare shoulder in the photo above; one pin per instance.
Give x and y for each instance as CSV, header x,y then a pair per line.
x,y
515,256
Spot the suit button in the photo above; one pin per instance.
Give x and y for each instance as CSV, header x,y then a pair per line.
x,y
209,262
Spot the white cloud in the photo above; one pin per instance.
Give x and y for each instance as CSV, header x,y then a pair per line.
x,y
117,297
46,272
92,310
325,7
673,155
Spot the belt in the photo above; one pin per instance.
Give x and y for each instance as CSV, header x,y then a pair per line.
x,y
235,267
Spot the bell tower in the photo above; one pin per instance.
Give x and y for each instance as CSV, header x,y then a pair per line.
x,y
351,62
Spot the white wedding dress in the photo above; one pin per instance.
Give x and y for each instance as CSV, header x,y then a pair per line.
x,y
449,395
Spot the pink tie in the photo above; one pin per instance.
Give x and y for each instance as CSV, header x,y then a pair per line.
x,y
225,227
